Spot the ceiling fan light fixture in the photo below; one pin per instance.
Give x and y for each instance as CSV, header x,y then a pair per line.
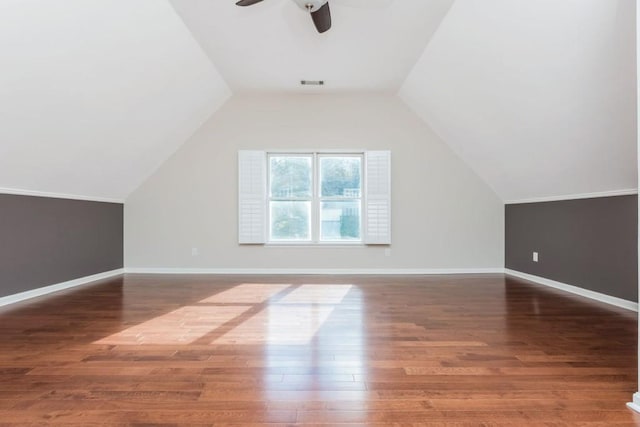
x,y
318,9
312,82
310,5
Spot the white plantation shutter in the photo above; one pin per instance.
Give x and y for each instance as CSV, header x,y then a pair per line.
x,y
378,198
252,179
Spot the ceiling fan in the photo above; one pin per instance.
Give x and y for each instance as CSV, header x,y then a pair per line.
x,y
319,10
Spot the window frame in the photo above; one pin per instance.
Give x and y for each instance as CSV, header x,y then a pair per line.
x,y
271,198
316,198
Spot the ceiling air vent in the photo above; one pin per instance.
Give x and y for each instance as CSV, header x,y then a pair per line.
x,y
312,82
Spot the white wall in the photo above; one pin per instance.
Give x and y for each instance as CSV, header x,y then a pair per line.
x,y
444,216
95,95
538,97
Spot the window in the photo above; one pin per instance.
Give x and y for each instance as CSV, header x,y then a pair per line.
x,y
340,197
314,197
290,197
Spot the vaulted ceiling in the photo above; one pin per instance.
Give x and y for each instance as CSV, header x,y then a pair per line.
x,y
538,97
273,45
95,95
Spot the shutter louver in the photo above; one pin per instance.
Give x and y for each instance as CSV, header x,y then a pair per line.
x,y
378,198
252,181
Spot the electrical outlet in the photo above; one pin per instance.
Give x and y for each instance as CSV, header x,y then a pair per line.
x,y
195,252
535,257
387,252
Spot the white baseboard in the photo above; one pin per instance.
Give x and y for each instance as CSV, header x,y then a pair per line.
x,y
12,299
314,271
618,302
635,404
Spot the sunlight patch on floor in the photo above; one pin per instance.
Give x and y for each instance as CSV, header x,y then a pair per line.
x,y
181,326
293,319
317,294
248,293
282,325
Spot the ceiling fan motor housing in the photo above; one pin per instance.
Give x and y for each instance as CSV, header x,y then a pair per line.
x,y
310,5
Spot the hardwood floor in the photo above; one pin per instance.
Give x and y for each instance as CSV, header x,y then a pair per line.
x,y
405,351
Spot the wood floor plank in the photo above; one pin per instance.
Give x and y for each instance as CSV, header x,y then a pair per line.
x,y
476,350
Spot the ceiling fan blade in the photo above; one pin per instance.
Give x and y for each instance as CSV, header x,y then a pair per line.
x,y
322,18
247,2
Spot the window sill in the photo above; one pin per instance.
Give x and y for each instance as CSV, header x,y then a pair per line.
x,y
328,245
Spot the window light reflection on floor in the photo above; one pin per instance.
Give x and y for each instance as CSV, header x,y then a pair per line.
x,y
248,293
279,324
283,323
181,326
293,319
317,294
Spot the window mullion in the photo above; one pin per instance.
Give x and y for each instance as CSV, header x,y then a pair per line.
x,y
315,203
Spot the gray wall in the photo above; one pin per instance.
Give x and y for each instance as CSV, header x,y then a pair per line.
x,y
590,243
44,241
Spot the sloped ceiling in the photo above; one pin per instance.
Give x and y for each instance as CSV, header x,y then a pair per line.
x,y
95,95
538,97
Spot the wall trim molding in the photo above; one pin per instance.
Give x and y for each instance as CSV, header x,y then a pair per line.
x,y
12,299
612,193
635,403
21,192
313,271
618,302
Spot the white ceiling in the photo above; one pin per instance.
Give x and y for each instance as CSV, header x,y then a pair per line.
x,y
273,45
95,95
538,97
